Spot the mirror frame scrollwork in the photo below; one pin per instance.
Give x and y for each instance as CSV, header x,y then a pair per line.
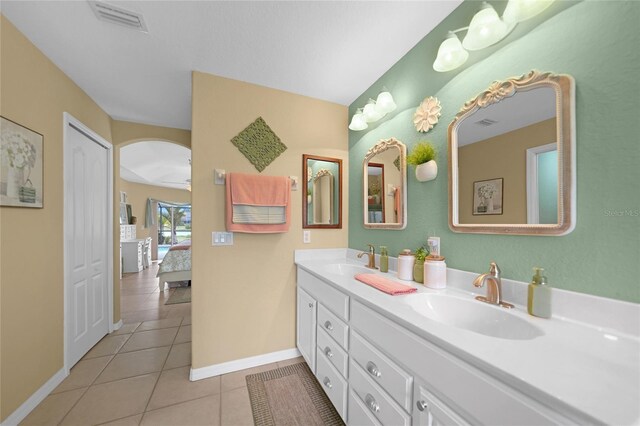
x,y
306,179
382,146
564,87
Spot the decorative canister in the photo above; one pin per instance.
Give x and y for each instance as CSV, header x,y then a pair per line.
x,y
406,260
435,272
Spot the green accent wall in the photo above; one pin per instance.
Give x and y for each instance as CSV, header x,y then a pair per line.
x,y
595,42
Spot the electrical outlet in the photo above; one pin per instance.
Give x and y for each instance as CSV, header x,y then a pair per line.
x,y
306,237
434,245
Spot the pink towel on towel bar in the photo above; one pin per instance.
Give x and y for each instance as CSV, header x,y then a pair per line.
x,y
384,284
256,190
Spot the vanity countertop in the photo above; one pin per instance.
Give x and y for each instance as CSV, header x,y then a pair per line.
x,y
590,368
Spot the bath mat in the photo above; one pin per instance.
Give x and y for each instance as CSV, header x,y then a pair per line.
x,y
290,395
179,295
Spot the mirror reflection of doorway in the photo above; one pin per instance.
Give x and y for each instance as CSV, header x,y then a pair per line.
x,y
174,226
375,196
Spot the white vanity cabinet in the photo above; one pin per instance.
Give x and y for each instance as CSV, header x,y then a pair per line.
x,y
323,336
430,411
306,328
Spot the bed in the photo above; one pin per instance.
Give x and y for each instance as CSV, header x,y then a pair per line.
x,y
176,265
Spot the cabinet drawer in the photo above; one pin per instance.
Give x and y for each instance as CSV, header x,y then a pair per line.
x,y
397,382
359,415
332,383
333,326
336,301
470,392
375,399
334,353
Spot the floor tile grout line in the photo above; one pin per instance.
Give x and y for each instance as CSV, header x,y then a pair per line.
x,y
162,369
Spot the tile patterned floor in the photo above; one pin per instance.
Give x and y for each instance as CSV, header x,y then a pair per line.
x,y
139,375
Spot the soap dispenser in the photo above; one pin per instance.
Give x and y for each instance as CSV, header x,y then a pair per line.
x,y
539,300
384,259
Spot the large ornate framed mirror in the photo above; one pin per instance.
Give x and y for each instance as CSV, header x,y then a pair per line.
x,y
385,185
512,158
322,192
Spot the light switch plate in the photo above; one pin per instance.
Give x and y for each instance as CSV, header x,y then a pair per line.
x,y
222,238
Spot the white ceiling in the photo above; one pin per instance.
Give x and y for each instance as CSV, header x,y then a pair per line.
x,y
330,50
156,163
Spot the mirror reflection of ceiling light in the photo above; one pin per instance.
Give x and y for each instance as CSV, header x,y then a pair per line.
x,y
485,29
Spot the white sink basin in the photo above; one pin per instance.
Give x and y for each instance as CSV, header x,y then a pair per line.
x,y
473,315
347,269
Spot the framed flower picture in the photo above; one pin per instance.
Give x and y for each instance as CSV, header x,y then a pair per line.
x,y
21,165
487,196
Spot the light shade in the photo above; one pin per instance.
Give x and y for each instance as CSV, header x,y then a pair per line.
x,y
486,28
521,10
451,54
358,121
371,113
385,103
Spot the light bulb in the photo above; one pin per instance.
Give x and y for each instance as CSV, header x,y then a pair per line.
x,y
358,121
371,113
385,103
486,28
451,54
521,10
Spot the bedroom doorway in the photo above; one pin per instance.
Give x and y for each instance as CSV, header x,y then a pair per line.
x,y
174,226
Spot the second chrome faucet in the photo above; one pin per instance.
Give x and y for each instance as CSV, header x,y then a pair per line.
x,y
372,256
494,286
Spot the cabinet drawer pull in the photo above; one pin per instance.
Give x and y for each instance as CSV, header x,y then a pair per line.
x,y
327,352
311,305
327,382
328,325
422,405
373,369
371,403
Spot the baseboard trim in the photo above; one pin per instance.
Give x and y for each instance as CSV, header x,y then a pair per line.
x,y
116,326
241,364
35,399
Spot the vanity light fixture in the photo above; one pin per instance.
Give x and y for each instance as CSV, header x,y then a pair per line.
x,y
485,29
521,10
358,122
451,54
373,111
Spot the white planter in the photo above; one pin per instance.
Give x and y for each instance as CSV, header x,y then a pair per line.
x,y
427,171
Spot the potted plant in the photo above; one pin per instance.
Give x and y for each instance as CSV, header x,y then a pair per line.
x,y
423,157
418,267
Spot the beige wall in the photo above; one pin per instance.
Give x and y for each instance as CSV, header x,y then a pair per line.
x,y
244,295
137,195
503,156
35,93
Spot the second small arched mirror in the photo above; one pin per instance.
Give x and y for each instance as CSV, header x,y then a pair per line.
x,y
322,192
385,186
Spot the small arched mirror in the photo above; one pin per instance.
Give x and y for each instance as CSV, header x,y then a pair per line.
x,y
512,158
385,186
322,192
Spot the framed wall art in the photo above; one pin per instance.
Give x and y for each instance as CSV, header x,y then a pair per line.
x,y
487,196
21,165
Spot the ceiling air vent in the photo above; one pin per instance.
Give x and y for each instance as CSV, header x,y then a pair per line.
x,y
117,15
486,122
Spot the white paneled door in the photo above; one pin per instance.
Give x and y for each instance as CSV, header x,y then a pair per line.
x,y
87,201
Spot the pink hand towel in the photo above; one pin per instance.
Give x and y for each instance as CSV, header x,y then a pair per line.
x,y
386,285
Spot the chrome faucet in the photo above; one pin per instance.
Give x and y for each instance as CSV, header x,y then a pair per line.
x,y
372,256
494,286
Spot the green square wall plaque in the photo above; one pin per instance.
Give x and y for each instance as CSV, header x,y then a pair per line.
x,y
259,144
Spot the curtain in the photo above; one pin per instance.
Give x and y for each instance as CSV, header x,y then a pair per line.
x,y
150,214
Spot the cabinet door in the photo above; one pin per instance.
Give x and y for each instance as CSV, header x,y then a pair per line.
x,y
430,411
306,328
